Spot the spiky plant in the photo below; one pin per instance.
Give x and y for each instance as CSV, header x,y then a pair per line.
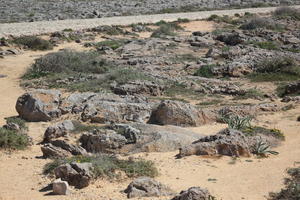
x,y
237,122
262,149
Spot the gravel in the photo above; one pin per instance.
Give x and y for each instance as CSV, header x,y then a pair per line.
x,y
43,27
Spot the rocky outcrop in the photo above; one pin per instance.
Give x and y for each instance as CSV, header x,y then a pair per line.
x,y
194,193
137,137
179,114
227,142
61,149
76,174
58,130
39,105
146,187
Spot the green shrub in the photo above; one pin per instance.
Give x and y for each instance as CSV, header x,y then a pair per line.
x,y
10,139
183,20
16,120
276,69
114,44
251,94
258,22
256,130
224,18
33,42
68,62
292,187
287,12
269,45
80,127
166,29
107,166
205,71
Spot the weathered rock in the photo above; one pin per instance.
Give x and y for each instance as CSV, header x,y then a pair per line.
x,y
39,105
194,193
227,142
146,187
292,88
60,187
12,126
178,114
105,141
138,87
137,137
73,149
51,151
58,130
230,38
76,174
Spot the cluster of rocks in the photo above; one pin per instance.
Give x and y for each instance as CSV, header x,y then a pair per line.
x,y
13,11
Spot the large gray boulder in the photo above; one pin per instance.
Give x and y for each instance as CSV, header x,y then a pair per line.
x,y
61,149
39,105
194,193
76,174
146,187
179,114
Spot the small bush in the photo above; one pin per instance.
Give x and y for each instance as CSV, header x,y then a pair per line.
x,y
166,29
269,45
276,69
287,12
107,166
292,187
183,20
67,62
10,139
114,44
258,22
251,94
33,43
255,130
205,71
80,127
16,120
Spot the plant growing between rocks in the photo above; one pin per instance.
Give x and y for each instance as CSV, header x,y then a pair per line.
x,y
108,166
33,43
262,149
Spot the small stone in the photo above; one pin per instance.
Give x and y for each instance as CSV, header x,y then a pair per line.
x,y
60,187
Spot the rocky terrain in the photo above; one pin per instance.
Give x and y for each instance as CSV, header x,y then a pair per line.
x,y
40,10
183,110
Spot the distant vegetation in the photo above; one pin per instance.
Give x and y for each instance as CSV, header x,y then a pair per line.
x,y
33,43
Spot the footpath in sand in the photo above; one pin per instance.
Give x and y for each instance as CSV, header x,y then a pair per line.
x,y
246,178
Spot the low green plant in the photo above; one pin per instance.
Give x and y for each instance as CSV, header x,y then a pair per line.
x,y
67,62
251,94
276,69
269,45
10,139
80,127
16,120
107,166
237,122
258,22
114,44
258,130
166,29
287,12
263,150
33,43
205,71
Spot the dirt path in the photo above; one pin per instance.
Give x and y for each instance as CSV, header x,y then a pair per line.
x,y
31,28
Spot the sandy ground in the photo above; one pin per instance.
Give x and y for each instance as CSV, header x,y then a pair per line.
x,y
246,178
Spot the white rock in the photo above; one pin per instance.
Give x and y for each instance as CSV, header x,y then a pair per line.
x,y
60,187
